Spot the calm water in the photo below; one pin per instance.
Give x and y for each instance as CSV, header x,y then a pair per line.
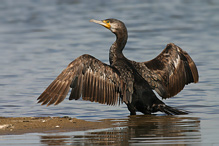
x,y
39,38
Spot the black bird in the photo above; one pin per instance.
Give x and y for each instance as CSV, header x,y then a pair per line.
x,y
125,80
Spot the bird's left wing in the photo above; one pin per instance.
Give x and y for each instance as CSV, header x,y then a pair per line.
x,y
88,77
169,72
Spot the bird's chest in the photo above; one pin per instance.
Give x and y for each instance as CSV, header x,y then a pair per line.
x,y
126,72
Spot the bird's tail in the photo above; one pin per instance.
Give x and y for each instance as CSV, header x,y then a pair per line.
x,y
170,110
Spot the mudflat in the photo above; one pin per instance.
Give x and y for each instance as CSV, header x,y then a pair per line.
x,y
21,125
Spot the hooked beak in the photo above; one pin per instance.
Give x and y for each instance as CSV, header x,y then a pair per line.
x,y
103,23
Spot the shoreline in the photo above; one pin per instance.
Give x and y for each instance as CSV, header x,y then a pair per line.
x,y
22,125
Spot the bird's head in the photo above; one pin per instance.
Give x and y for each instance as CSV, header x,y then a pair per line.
x,y
113,25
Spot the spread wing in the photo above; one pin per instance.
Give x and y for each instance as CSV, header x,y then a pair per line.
x,y
88,77
169,72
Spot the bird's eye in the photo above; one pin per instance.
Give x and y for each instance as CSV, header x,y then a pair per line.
x,y
107,21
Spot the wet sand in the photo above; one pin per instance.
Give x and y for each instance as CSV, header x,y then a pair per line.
x,y
21,125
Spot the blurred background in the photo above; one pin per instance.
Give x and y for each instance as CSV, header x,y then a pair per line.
x,y
39,38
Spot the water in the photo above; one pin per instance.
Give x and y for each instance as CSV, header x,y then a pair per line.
x,y
39,38
137,130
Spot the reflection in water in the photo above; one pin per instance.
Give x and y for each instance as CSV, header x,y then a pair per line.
x,y
55,140
136,129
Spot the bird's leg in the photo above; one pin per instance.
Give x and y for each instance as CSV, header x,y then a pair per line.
x,y
131,109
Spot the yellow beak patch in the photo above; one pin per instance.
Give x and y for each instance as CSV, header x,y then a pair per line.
x,y
107,24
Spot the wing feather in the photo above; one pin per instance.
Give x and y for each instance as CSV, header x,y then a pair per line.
x,y
169,72
89,78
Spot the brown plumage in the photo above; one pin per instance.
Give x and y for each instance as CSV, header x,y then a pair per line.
x,y
169,72
124,80
88,77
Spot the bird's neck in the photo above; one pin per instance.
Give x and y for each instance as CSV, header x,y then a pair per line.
x,y
117,47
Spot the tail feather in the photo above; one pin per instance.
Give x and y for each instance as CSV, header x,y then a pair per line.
x,y
171,110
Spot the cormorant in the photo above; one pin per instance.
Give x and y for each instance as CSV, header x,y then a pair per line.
x,y
125,80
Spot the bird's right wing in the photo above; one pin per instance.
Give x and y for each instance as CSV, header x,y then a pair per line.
x,y
88,77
